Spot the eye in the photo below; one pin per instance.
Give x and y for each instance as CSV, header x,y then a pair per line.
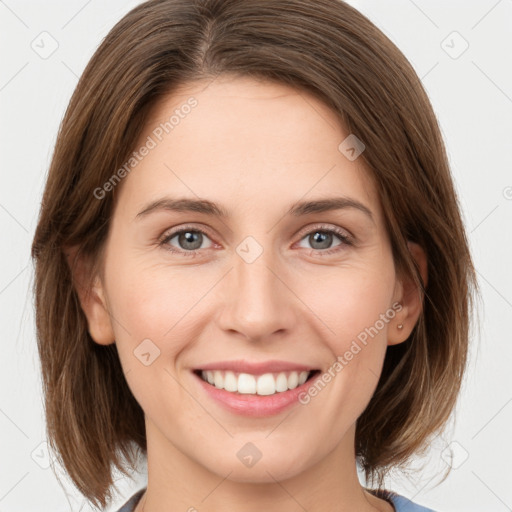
x,y
188,240
321,238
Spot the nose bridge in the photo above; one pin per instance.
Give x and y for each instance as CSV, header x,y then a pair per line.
x,y
255,281
259,302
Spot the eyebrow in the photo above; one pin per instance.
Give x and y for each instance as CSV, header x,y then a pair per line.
x,y
210,208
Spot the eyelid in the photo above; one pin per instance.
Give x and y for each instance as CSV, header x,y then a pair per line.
x,y
326,227
172,232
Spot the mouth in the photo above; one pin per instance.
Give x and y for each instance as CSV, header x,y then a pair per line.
x,y
266,384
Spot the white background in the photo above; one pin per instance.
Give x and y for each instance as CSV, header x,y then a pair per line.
x,y
472,97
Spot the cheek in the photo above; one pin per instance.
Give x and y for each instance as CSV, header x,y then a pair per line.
x,y
152,299
355,304
363,319
356,308
154,320
352,301
148,306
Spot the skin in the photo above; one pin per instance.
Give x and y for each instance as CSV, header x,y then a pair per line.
x,y
255,148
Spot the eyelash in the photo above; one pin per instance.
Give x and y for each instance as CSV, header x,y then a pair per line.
x,y
345,239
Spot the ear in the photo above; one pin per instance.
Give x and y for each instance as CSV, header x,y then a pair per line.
x,y
91,293
410,296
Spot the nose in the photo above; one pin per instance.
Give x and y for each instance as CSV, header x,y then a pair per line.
x,y
258,301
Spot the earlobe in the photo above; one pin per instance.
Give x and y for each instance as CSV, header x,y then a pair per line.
x,y
411,298
92,298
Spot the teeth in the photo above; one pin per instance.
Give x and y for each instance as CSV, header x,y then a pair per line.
x,y
282,382
218,379
245,383
230,382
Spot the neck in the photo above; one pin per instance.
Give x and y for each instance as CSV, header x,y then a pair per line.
x,y
222,483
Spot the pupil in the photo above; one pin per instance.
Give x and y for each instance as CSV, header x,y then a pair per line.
x,y
323,237
190,237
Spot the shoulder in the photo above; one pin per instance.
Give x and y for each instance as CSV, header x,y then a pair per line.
x,y
400,503
130,505
403,504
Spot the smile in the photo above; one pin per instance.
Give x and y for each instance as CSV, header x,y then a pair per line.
x,y
249,384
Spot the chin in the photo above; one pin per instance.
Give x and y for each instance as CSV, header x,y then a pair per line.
x,y
276,466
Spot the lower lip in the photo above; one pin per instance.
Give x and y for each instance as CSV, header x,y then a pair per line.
x,y
256,405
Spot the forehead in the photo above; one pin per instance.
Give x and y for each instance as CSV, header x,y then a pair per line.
x,y
241,140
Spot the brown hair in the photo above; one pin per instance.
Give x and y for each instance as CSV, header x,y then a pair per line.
x,y
325,48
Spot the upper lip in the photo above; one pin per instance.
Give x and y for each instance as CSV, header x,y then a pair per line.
x,y
255,367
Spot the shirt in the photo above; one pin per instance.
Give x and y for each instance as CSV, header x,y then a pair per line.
x,y
400,503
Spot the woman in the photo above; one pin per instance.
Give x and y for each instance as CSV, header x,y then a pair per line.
x,y
250,262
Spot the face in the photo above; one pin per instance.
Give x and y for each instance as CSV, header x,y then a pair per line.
x,y
266,281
